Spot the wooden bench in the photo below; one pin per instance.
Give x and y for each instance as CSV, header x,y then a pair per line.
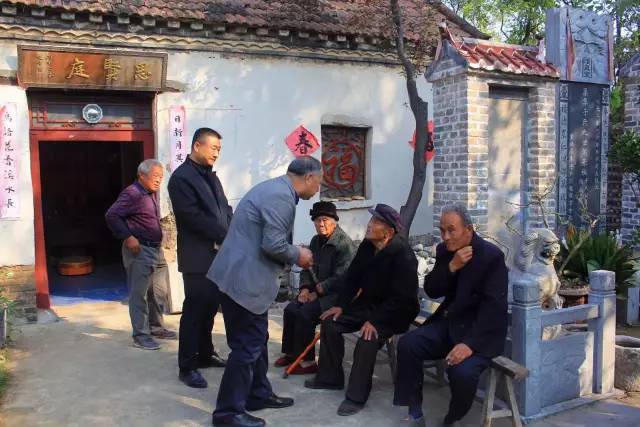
x,y
509,371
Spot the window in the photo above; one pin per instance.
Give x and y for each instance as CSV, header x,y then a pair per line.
x,y
343,162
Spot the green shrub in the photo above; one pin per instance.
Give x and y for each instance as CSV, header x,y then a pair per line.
x,y
599,252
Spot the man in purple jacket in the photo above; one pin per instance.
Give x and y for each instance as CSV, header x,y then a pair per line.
x,y
134,218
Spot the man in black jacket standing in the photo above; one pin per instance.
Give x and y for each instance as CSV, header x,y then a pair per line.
x,y
469,327
202,219
379,298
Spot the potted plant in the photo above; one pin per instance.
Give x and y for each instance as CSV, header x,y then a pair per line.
x,y
583,253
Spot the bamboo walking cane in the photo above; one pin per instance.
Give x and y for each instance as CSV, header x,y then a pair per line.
x,y
316,338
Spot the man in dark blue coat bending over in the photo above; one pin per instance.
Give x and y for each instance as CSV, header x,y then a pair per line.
x,y
469,327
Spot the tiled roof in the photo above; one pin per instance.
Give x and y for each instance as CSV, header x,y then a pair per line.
x,y
494,56
326,16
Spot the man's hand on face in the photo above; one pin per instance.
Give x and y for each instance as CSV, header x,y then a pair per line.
x,y
305,258
133,245
369,332
460,258
458,354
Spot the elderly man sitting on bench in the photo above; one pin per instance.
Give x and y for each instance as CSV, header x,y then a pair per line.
x,y
378,298
469,327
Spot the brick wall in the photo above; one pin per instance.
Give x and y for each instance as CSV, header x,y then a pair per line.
x,y
630,220
461,119
18,284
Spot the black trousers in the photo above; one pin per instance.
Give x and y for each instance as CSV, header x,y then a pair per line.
x,y
431,342
245,376
299,328
330,370
196,324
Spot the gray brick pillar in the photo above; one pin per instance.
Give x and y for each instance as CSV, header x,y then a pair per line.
x,y
602,292
526,337
630,76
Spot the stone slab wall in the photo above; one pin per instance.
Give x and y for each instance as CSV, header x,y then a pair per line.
x,y
17,283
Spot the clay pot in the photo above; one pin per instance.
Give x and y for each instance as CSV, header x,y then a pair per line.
x,y
627,376
574,296
75,266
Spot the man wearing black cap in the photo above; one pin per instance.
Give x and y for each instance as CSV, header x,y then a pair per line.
x,y
378,298
332,253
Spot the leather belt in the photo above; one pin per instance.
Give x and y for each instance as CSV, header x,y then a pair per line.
x,y
150,244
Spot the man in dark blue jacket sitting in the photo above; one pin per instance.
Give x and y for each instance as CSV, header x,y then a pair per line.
x,y
469,327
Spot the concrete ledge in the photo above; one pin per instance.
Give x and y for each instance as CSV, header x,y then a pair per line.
x,y
572,404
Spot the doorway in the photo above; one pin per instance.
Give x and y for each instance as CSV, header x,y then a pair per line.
x,y
79,183
77,171
507,112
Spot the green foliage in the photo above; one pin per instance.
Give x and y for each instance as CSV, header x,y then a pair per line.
x,y
626,152
520,21
599,252
4,373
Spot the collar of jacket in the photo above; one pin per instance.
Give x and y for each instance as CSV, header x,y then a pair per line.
x,y
141,188
336,237
476,241
290,184
394,246
203,170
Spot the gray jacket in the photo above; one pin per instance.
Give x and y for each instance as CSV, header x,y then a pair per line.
x,y
257,245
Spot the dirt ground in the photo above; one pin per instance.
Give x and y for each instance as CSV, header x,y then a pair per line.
x,y
83,371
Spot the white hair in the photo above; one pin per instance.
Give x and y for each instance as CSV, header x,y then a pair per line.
x,y
145,167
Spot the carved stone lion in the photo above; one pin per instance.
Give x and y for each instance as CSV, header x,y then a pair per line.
x,y
534,262
534,265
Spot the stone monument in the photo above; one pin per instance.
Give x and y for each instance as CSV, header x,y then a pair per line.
x,y
580,44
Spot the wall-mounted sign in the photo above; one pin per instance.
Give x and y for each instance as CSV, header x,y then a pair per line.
x,y
301,142
91,69
178,135
9,183
431,151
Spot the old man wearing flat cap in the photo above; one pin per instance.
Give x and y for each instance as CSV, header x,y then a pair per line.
x,y
319,286
378,298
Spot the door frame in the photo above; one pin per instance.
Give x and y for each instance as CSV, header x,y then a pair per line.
x,y
69,136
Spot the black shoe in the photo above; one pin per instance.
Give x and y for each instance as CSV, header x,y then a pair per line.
x,y
317,385
193,379
215,361
349,407
272,401
240,420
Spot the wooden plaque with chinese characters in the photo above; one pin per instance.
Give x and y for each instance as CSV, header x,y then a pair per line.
x,y
91,69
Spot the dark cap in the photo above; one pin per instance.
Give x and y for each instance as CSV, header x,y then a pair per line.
x,y
388,215
323,209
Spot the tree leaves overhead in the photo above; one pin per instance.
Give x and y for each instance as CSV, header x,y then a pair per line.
x,y
520,21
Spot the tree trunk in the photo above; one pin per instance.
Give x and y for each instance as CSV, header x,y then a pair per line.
x,y
420,113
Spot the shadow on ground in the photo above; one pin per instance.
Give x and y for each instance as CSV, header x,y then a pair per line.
x,y
83,371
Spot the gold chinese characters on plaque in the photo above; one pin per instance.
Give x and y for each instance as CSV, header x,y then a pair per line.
x,y
91,69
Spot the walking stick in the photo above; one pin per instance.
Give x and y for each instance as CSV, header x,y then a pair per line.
x,y
313,341
302,355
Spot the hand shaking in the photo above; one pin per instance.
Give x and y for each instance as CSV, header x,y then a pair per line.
x,y
305,258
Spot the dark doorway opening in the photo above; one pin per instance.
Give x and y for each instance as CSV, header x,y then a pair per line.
x,y
80,180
